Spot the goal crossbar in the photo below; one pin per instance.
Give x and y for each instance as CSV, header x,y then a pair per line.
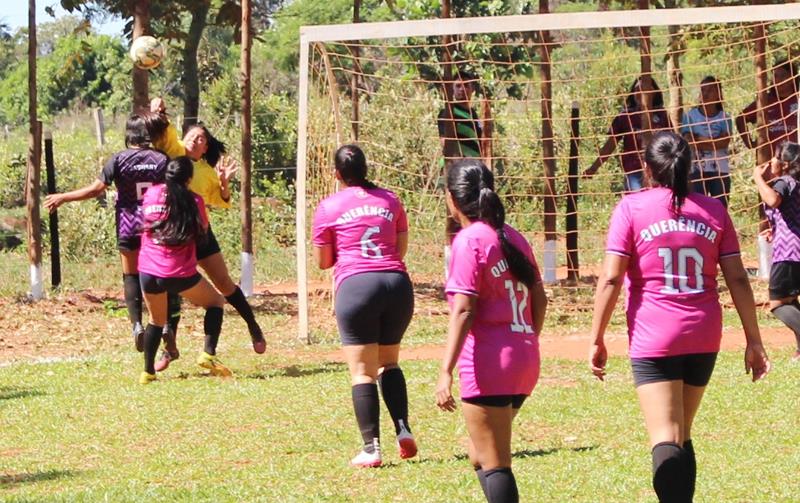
x,y
554,21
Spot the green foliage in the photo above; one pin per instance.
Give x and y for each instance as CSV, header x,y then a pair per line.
x,y
81,71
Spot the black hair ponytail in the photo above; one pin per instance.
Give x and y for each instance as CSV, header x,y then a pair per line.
x,y
182,222
471,185
670,160
351,163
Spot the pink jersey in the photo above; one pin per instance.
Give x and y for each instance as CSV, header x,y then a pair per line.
x,y
362,225
672,304
500,355
160,260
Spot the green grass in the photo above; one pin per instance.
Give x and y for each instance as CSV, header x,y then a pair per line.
x,y
283,430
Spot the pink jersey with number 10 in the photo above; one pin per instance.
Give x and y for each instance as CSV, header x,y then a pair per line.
x,y
672,303
500,355
362,225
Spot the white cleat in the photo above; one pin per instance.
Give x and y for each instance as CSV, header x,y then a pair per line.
x,y
366,459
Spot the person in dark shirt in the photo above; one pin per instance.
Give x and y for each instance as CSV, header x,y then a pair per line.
x,y
460,128
627,128
132,171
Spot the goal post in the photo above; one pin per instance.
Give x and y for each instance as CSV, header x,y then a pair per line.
x,y
594,58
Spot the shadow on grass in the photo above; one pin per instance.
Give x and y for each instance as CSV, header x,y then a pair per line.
x,y
298,370
536,453
10,392
15,479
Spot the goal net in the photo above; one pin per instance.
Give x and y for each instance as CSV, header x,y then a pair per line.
x,y
542,99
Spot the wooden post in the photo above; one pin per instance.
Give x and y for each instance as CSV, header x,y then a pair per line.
x,y
55,246
763,150
354,99
334,96
141,78
451,148
32,187
646,83
99,126
674,73
548,151
247,156
300,195
573,264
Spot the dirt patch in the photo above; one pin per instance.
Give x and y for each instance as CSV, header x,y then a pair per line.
x,y
79,324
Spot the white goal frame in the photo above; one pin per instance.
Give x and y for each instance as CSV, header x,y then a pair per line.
x,y
479,25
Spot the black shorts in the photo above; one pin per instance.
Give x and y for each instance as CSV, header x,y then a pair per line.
x,y
155,284
515,401
131,243
374,307
694,369
208,246
784,280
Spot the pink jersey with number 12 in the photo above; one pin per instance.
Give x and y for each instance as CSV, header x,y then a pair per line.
x,y
672,303
500,355
362,226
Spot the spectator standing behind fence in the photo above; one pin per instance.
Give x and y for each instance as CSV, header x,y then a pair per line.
x,y
708,129
628,128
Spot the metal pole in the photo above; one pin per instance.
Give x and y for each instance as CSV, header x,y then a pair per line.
x,y
55,246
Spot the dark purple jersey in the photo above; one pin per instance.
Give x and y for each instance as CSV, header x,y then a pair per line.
x,y
133,171
786,221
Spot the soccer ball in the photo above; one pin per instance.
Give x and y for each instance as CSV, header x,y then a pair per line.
x,y
146,52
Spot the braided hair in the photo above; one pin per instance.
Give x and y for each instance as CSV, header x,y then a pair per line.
x,y
471,186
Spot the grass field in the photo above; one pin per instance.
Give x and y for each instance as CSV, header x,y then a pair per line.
x,y
282,430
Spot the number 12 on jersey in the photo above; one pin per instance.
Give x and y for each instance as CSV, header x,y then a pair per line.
x,y
518,325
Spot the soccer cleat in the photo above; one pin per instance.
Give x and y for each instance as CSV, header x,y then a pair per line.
x,y
138,336
259,344
167,357
405,443
212,363
146,378
366,459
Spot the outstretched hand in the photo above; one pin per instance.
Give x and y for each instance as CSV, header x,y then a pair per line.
x,y
756,360
226,168
53,201
158,106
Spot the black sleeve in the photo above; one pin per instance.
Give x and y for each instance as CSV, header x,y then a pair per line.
x,y
782,187
441,122
476,119
109,170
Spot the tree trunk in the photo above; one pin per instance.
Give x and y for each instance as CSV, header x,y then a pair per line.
x,y
354,118
548,151
190,78
674,72
141,26
32,184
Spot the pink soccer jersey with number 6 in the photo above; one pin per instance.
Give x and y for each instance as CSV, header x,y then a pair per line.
x,y
362,226
672,303
500,355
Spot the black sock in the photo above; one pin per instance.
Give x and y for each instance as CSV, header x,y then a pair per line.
x,y
691,462
367,408
501,486
670,473
789,314
482,479
152,339
133,297
173,311
239,302
395,396
212,326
